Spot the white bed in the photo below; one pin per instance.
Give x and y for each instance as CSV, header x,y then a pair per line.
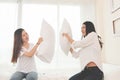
x,y
111,72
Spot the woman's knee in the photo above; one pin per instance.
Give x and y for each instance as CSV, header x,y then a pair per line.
x,y
17,76
74,78
71,78
32,76
78,76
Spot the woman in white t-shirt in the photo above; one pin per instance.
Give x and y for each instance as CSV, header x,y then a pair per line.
x,y
89,54
23,55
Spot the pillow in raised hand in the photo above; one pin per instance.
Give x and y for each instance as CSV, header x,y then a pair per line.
x,y
64,44
47,47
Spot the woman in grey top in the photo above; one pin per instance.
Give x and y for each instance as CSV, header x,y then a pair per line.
x,y
23,55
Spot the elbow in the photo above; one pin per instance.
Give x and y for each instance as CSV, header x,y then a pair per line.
x,y
75,56
29,54
75,45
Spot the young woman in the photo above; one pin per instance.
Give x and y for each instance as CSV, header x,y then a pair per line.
x,y
23,55
89,53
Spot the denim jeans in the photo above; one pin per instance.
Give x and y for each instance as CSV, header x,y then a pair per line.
x,y
27,76
89,73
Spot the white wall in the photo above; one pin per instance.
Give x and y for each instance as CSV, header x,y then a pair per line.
x,y
88,11
8,1
99,23
104,22
57,1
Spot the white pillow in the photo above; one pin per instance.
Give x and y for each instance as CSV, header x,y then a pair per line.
x,y
47,47
64,44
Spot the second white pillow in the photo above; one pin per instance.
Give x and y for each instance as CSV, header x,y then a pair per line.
x,y
64,44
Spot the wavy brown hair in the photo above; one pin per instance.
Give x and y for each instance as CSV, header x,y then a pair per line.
x,y
17,44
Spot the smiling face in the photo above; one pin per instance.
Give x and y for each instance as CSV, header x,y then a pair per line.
x,y
83,30
25,36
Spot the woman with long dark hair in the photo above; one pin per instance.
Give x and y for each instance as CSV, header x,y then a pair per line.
x,y
23,55
90,57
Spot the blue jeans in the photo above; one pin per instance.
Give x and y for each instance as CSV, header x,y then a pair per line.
x,y
27,76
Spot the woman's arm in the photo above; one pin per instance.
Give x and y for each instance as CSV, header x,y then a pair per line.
x,y
32,52
68,38
88,40
74,53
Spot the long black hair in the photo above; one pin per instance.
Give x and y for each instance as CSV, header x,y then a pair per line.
x,y
90,28
17,44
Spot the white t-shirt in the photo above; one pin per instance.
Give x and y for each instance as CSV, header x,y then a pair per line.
x,y
26,64
90,50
